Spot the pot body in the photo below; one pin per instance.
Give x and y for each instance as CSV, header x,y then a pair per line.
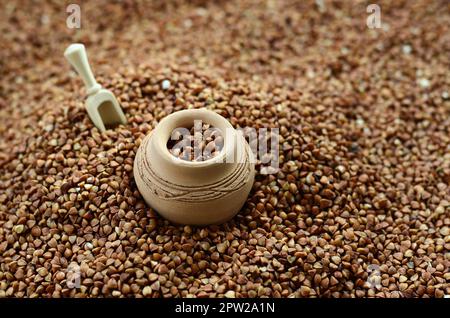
x,y
189,192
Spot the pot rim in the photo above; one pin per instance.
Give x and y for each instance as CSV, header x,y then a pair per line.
x,y
168,124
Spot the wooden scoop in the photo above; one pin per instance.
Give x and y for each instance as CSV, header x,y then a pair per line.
x,y
102,106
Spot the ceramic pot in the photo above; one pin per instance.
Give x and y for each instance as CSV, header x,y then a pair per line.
x,y
194,192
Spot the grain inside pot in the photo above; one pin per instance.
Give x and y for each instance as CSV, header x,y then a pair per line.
x,y
199,142
359,208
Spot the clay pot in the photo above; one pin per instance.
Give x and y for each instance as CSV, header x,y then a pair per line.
x,y
194,192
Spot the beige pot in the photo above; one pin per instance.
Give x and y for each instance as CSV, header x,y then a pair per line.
x,y
190,192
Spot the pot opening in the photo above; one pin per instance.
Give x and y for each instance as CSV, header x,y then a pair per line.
x,y
199,141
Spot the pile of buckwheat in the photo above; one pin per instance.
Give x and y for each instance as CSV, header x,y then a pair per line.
x,y
360,206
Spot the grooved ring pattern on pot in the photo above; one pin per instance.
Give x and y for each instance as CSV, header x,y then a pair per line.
x,y
207,192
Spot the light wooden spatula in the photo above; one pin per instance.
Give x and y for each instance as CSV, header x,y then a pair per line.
x,y
102,106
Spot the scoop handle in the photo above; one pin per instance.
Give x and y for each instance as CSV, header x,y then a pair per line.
x,y
77,57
